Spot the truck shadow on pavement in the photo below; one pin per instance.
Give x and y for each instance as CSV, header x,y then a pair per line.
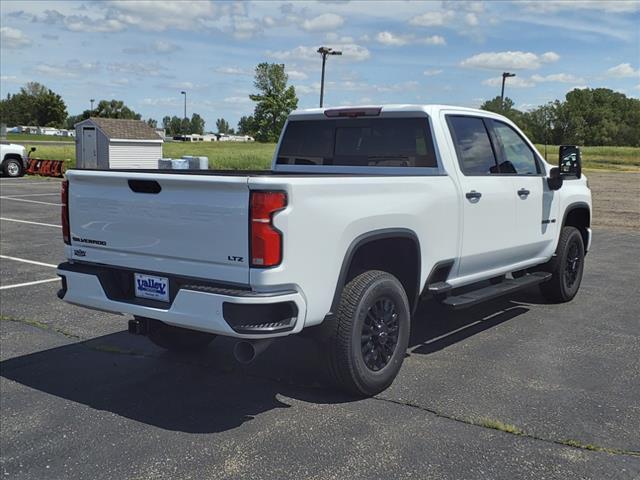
x,y
210,392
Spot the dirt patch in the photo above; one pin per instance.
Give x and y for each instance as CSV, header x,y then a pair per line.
x,y
616,200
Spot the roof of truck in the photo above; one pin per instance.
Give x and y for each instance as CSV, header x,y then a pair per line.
x,y
401,108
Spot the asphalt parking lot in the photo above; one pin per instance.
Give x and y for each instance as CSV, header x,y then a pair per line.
x,y
514,389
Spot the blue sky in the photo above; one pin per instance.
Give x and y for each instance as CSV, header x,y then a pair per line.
x,y
450,52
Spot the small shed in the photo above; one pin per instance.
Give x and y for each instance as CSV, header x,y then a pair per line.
x,y
105,143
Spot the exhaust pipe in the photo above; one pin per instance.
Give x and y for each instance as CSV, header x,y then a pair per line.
x,y
246,351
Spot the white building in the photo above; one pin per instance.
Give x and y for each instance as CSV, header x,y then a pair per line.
x,y
105,143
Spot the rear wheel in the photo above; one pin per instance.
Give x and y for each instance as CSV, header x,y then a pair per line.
x,y
12,168
369,335
566,267
177,339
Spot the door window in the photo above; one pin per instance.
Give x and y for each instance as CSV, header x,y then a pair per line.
x,y
473,146
517,156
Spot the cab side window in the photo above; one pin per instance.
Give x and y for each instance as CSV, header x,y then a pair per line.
x,y
517,156
473,146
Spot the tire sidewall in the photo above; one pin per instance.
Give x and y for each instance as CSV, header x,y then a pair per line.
x,y
6,168
369,380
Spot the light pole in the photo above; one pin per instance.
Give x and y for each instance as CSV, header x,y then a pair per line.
x,y
324,51
92,100
185,103
505,75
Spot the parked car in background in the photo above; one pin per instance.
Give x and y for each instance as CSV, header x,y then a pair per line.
x,y
366,211
15,159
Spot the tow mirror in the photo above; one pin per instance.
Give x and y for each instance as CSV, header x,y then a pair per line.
x,y
555,179
570,162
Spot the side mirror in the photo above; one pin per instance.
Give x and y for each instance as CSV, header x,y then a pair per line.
x,y
570,162
33,149
555,179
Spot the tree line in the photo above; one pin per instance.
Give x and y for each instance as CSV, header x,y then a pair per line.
x,y
587,116
598,116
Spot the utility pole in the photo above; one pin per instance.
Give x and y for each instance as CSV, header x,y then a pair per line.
x,y
505,75
324,51
92,100
185,103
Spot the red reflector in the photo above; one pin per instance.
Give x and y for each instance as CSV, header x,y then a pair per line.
x,y
353,112
64,200
266,240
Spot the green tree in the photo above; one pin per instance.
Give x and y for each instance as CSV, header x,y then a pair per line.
x,y
274,101
153,123
185,126
35,104
175,126
222,125
197,124
114,109
246,126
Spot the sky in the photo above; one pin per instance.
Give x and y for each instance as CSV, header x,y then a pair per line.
x,y
449,52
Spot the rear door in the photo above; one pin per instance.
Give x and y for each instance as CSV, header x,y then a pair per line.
x,y
489,215
188,225
535,221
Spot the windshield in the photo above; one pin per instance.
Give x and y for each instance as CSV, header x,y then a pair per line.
x,y
384,142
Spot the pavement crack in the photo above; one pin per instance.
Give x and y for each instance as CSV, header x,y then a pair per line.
x,y
40,326
512,429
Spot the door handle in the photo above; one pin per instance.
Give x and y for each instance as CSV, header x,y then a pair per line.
x,y
523,192
472,195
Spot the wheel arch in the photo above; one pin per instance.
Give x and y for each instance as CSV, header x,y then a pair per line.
x,y
578,215
405,265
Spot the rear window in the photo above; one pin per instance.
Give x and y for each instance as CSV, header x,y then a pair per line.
x,y
379,142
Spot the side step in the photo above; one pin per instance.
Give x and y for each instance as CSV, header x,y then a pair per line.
x,y
505,287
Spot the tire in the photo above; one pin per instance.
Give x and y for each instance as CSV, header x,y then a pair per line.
x,y
12,168
566,267
177,339
373,305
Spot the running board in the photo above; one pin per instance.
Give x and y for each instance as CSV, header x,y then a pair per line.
x,y
505,287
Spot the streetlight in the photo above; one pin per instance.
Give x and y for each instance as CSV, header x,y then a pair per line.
x,y
185,103
505,75
324,51
92,100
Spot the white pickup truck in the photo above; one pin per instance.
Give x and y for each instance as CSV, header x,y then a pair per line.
x,y
366,211
14,159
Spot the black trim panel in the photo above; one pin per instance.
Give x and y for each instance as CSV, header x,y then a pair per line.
x,y
260,318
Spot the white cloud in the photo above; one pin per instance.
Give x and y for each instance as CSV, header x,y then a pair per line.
x,y
388,38
434,40
432,72
509,60
72,68
13,38
557,77
139,69
623,70
237,99
326,21
471,19
433,19
296,75
8,78
350,51
613,6
516,82
232,71
159,16
162,102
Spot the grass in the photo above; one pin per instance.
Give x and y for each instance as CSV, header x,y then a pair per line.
x,y
257,156
26,138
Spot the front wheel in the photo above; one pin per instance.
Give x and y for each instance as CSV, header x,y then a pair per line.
x,y
177,339
566,267
12,168
369,335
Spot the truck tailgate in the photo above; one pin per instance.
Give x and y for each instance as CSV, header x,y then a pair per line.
x,y
188,225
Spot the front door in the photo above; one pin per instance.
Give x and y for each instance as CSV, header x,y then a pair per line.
x,y
89,150
536,221
488,207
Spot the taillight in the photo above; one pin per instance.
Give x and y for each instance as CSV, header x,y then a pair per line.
x,y
266,240
64,200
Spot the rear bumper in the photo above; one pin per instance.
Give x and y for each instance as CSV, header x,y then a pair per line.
x,y
233,313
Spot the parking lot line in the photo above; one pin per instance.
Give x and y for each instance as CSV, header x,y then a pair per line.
x,y
26,284
33,194
30,223
24,260
4,197
30,183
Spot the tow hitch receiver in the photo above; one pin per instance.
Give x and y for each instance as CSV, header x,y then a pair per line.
x,y
138,326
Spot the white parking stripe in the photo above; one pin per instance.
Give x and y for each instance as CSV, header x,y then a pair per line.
x,y
24,260
26,284
29,183
13,195
30,223
4,197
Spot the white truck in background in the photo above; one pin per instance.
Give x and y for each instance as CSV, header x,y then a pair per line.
x,y
14,159
366,210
